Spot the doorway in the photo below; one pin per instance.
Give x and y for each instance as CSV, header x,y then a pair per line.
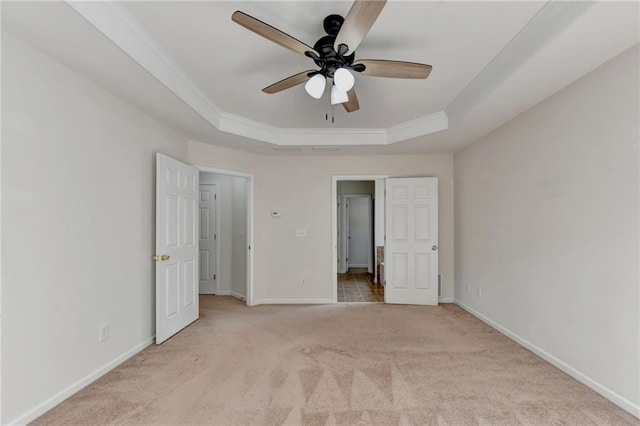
x,y
177,242
358,229
229,271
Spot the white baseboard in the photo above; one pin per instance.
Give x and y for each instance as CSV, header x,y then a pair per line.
x,y
238,295
224,293
612,396
293,301
47,405
445,300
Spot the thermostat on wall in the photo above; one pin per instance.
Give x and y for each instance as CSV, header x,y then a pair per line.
x,y
276,213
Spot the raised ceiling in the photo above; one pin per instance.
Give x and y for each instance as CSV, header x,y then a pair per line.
x,y
491,61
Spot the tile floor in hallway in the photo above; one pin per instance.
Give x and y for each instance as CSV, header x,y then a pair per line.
x,y
357,286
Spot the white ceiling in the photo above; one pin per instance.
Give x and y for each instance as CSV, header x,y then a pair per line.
x,y
188,65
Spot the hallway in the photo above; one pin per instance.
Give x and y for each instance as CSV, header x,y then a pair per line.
x,y
357,286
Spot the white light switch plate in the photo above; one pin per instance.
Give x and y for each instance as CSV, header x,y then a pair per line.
x,y
301,232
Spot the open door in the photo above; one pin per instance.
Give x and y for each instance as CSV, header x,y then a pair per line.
x,y
411,249
176,246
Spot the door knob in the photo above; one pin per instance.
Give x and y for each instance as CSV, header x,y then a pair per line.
x,y
164,257
155,257
434,248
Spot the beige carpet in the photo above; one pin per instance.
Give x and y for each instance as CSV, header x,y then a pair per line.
x,y
336,364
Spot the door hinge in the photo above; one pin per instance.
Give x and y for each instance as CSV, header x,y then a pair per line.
x,y
215,196
214,276
215,236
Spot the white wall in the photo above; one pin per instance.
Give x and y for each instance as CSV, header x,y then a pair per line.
x,y
547,226
78,230
239,234
356,187
300,186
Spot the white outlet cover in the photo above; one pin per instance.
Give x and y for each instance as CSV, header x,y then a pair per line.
x,y
103,332
301,232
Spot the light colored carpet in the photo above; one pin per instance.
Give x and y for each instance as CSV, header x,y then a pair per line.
x,y
336,364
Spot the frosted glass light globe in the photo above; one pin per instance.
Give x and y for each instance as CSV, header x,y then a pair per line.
x,y
343,79
338,96
315,86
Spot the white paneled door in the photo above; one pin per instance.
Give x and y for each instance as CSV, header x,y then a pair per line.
x,y
208,239
411,249
176,246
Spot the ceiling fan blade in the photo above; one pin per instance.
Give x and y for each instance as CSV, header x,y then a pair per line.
x,y
361,16
394,69
352,104
288,82
270,33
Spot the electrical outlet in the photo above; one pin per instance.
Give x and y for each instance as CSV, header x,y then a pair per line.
x,y
301,232
479,292
103,332
467,287
303,281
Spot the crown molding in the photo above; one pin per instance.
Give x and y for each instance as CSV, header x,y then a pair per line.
x,y
550,20
124,31
242,126
418,127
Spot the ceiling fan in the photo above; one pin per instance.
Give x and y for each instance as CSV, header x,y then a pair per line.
x,y
335,54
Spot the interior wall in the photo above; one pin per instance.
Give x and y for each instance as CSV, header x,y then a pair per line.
x,y
300,186
356,187
547,229
239,235
78,189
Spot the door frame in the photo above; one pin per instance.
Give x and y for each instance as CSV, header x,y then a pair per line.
x,y
250,245
334,225
346,244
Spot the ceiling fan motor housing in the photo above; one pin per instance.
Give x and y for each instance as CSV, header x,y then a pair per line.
x,y
329,60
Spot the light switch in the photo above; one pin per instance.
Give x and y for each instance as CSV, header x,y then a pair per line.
x,y
301,232
276,213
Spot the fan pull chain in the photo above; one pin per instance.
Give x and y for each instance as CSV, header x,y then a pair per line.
x,y
326,111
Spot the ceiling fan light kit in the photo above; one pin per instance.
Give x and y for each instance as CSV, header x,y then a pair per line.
x,y
343,79
338,96
315,86
335,54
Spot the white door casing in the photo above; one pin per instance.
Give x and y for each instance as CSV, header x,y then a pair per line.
x,y
208,246
411,250
176,246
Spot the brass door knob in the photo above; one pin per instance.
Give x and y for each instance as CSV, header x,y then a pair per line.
x,y
164,257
